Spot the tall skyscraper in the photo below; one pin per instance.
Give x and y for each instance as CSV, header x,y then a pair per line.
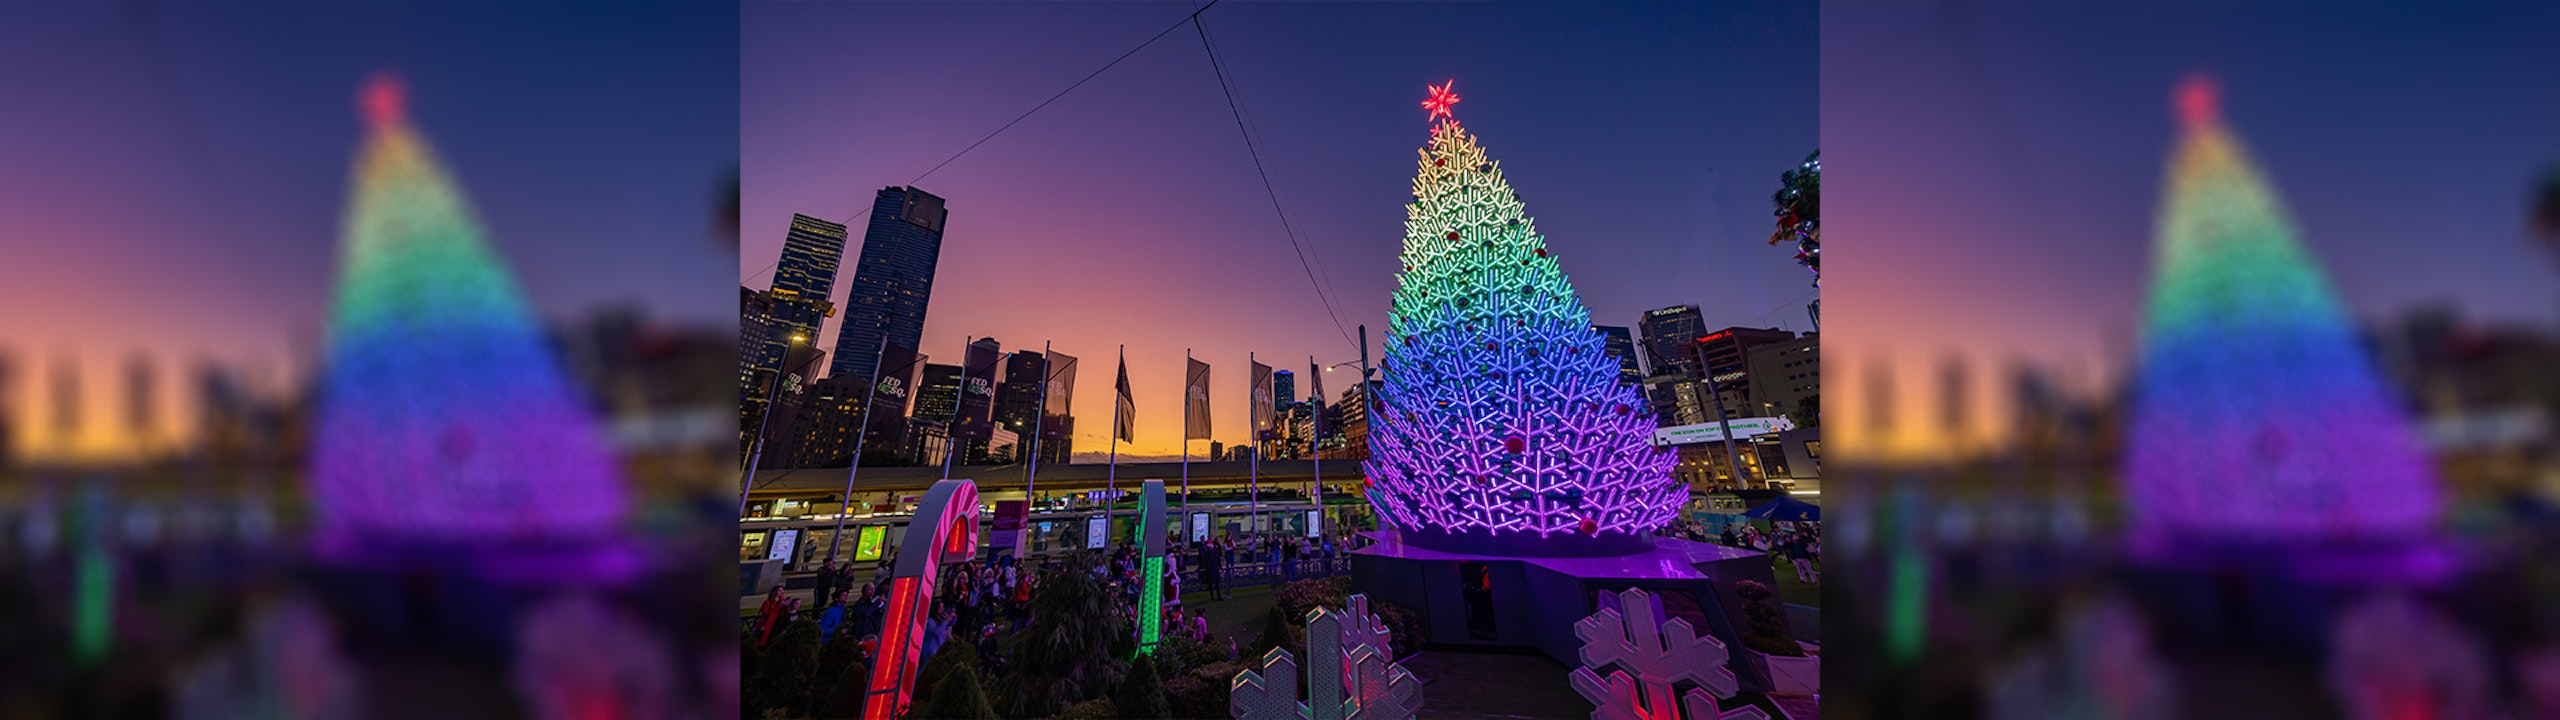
x,y
939,394
1284,389
1727,352
1018,397
892,280
755,327
1622,345
1787,377
1668,335
810,254
795,305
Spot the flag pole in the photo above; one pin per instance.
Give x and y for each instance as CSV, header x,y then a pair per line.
x,y
1039,418
1186,441
959,397
1111,477
1253,468
861,431
1315,409
1317,413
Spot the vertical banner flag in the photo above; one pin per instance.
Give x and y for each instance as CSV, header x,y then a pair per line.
x,y
889,399
66,401
1261,404
138,395
1195,393
977,420
802,362
1062,394
1010,515
1126,426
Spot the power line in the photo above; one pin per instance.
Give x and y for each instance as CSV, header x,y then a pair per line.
x,y
1258,169
1217,59
1195,14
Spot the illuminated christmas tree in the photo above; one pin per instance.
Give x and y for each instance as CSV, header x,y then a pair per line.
x,y
443,417
2257,416
1502,419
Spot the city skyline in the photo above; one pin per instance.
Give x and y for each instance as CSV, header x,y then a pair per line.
x,y
1129,212
2018,158
205,154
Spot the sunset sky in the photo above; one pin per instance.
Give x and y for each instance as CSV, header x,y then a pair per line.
x,y
178,199
1645,140
1993,177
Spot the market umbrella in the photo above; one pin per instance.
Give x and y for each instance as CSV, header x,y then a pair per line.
x,y
1787,509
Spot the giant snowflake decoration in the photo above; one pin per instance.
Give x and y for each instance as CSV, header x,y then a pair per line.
x,y
2102,669
2391,657
582,658
1348,679
1660,653
288,666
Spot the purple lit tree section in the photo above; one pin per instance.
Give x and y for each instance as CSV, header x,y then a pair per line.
x,y
2257,416
1502,423
443,418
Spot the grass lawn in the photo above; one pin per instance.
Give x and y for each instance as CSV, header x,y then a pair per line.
x,y
1796,593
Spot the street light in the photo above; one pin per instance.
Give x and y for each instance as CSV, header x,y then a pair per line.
x,y
772,395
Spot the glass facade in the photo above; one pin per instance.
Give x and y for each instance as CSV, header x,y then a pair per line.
x,y
892,279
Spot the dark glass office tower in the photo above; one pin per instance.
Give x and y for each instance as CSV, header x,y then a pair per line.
x,y
892,279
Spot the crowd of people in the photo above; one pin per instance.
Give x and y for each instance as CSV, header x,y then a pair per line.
x,y
981,600
1799,543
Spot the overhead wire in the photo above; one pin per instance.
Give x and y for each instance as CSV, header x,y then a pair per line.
x,y
1285,227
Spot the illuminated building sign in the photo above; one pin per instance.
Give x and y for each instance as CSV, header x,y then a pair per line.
x,y
1711,432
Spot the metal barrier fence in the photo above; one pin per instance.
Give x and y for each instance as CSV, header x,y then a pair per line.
x,y
1265,573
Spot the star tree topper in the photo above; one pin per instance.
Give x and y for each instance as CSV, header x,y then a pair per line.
x,y
1441,99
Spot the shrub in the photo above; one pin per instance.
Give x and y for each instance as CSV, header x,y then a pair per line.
x,y
1296,599
1404,627
1064,655
841,697
833,657
1141,694
1090,710
1768,621
1202,693
784,671
953,656
958,697
1277,632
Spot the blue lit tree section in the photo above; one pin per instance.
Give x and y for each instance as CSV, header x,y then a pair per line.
x,y
442,415
1501,414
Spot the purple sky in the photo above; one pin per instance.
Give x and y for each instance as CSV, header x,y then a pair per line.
x,y
174,181
1645,139
1994,178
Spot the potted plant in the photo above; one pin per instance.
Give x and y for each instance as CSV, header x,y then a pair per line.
x,y
1791,670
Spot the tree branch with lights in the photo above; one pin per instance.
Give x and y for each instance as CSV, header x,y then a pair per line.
x,y
1799,213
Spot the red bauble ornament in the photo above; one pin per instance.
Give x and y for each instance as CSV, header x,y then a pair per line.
x,y
1514,444
1408,268
1623,409
1492,346
1589,527
1408,340
1542,252
1439,162
1577,350
1453,234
